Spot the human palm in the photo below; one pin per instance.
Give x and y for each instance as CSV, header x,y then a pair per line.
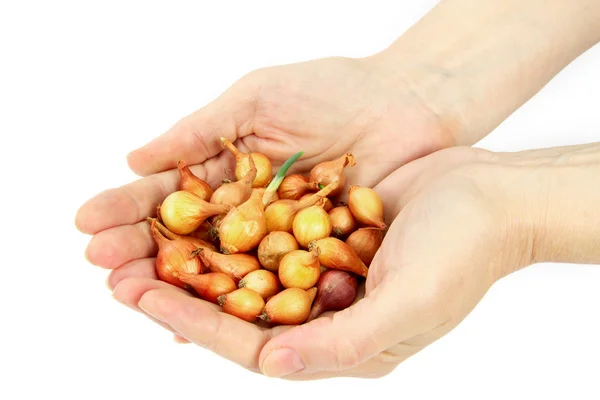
x,y
325,108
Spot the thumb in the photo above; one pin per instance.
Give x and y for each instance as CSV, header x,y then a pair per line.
x,y
337,343
195,138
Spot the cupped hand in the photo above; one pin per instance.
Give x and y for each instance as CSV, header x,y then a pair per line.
x,y
325,108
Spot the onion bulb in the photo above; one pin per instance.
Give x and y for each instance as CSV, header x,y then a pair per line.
x,y
366,242
209,286
235,193
366,206
335,254
311,223
336,290
236,266
243,228
329,171
342,221
294,186
300,269
273,247
191,183
183,212
174,257
263,282
243,303
280,214
289,307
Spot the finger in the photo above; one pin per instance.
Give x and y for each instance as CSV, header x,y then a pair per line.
x,y
129,291
116,246
195,138
135,201
144,268
200,323
180,339
394,310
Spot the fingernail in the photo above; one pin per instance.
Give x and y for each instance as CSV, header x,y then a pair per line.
x,y
282,362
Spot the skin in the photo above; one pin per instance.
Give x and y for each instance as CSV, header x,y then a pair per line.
x,y
400,112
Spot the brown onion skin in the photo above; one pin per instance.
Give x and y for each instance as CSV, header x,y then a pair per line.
x,y
366,242
366,206
336,290
236,266
209,286
183,212
289,307
311,223
242,229
191,183
243,165
300,269
235,193
263,282
328,171
173,258
328,203
279,215
336,254
273,247
294,186
342,221
242,303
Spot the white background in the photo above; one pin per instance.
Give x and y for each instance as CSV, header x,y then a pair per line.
x,y
83,83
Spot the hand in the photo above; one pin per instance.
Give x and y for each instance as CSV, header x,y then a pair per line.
x,y
325,107
448,244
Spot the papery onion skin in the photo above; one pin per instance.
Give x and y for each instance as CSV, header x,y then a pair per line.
x,y
366,242
236,266
279,215
263,282
209,286
328,203
295,186
342,221
311,223
174,257
300,269
289,307
242,303
335,254
263,165
191,183
183,212
336,290
235,193
366,206
326,172
273,247
243,227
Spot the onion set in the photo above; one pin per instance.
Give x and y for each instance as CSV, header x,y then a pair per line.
x,y
269,248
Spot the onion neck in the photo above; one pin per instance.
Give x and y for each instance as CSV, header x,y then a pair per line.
x,y
157,235
163,230
314,199
238,155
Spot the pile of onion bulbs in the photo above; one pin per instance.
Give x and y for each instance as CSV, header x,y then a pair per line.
x,y
266,247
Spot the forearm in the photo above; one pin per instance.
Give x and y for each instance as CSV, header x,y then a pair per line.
x,y
569,226
477,61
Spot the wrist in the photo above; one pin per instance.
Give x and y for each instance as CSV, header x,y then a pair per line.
x,y
475,62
